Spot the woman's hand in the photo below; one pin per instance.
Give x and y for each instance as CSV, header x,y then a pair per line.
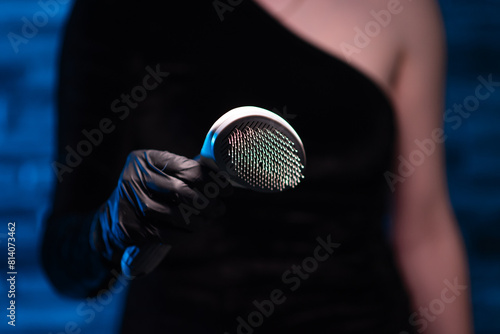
x,y
159,196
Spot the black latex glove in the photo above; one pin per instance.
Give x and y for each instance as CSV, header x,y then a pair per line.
x,y
159,195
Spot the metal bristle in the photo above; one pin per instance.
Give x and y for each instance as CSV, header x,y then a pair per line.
x,y
265,158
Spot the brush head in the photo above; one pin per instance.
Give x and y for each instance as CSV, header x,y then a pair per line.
x,y
257,148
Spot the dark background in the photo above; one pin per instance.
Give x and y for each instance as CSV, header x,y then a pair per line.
x,y
27,142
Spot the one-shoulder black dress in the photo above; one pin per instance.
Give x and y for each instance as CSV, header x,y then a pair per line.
x,y
314,259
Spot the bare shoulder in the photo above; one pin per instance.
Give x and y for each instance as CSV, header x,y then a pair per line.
x,y
364,33
392,34
371,35
376,39
418,94
423,51
422,26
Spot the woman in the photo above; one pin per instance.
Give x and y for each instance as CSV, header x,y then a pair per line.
x,y
361,82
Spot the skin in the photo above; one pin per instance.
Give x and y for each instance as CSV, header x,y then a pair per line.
x,y
406,58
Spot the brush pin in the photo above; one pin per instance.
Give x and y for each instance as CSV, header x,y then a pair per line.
x,y
264,158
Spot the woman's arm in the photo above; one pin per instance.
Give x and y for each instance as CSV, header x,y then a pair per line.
x,y
88,81
427,240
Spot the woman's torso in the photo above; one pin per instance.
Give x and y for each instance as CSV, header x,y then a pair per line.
x,y
346,123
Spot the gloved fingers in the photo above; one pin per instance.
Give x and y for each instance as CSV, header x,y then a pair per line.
x,y
168,190
152,222
179,175
145,172
172,221
183,202
173,200
180,167
188,170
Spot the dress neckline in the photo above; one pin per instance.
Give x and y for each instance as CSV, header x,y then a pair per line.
x,y
288,33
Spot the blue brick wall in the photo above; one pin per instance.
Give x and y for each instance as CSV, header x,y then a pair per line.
x,y
27,139
473,148
27,142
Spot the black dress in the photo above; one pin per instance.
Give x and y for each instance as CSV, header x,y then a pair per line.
x,y
311,260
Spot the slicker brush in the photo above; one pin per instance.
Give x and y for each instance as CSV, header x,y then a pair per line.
x,y
257,148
